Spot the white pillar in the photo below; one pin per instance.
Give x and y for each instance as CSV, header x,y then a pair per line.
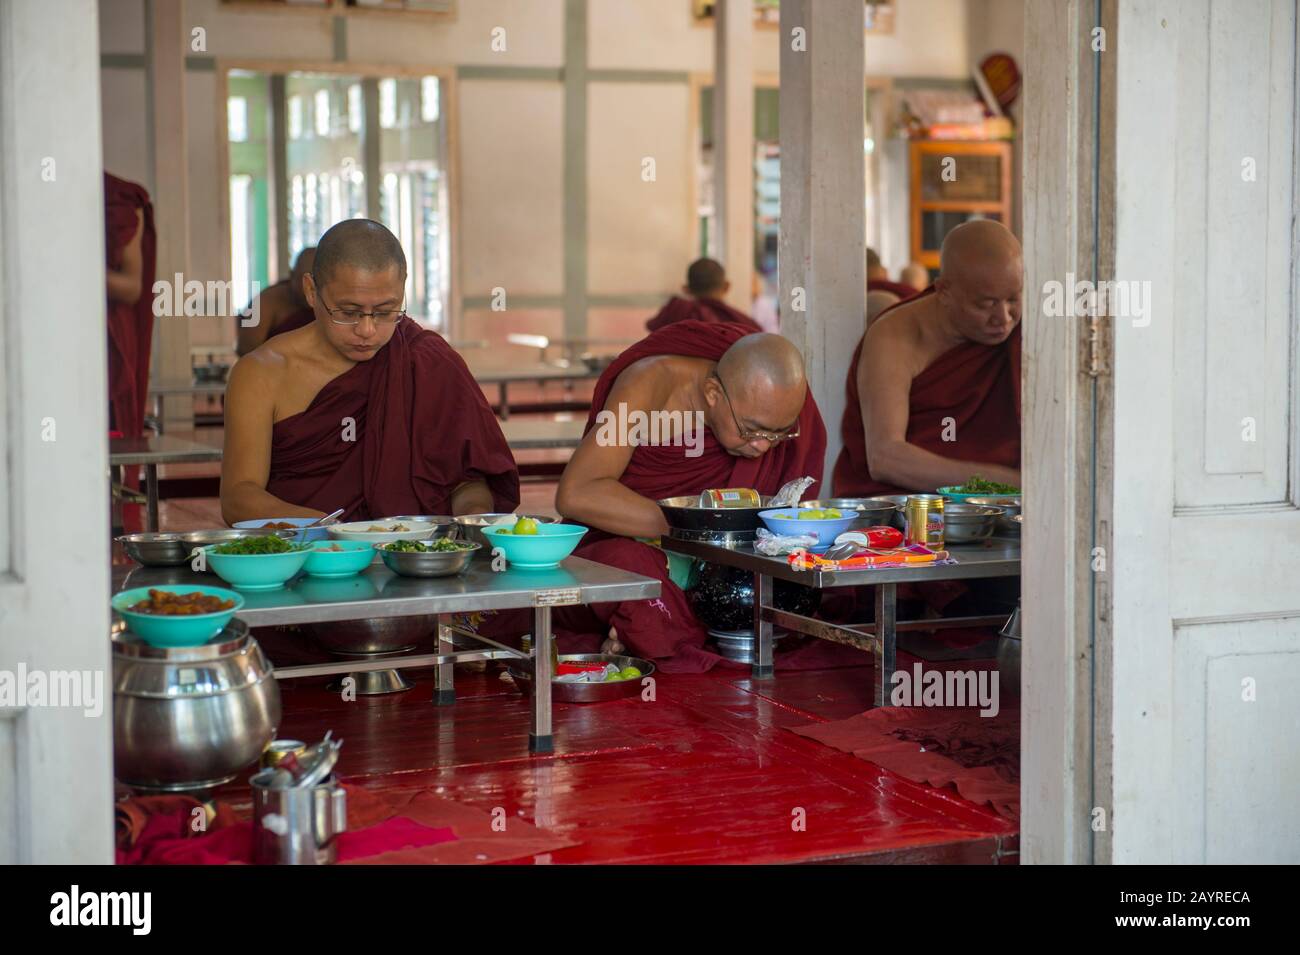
x,y
733,144
168,45
822,251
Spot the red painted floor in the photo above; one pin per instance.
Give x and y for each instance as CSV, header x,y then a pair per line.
x,y
704,774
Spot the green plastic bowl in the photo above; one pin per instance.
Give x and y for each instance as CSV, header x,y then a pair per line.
x,y
257,571
352,557
160,630
550,545
957,497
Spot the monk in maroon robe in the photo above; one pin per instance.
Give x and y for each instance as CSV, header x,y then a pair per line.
x,y
361,409
755,424
130,242
878,279
279,308
934,385
706,284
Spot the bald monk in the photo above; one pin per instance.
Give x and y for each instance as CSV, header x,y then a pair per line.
x,y
877,303
701,300
878,278
934,386
361,409
130,243
281,307
756,426
915,275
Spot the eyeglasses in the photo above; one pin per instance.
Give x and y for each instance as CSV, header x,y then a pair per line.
x,y
753,435
353,316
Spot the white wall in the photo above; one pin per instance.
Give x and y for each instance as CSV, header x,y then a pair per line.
x,y
511,158
998,26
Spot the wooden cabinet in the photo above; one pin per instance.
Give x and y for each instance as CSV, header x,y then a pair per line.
x,y
951,182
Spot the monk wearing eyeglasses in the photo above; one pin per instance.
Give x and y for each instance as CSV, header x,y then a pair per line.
x,y
361,409
752,424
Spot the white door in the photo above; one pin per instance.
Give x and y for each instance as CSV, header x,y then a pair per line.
x,y
1205,657
1162,539
55,760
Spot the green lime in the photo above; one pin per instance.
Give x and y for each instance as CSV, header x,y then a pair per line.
x,y
629,673
525,525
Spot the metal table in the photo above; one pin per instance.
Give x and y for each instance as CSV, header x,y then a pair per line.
x,y
531,434
503,375
998,557
377,592
153,451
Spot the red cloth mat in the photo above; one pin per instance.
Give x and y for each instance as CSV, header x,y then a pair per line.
x,y
950,748
411,827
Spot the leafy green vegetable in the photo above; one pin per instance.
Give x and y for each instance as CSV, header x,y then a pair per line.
x,y
977,485
439,546
256,545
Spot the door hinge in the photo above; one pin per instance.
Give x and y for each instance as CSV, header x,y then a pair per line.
x,y
1095,367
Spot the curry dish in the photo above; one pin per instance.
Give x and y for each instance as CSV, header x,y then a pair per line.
x,y
181,605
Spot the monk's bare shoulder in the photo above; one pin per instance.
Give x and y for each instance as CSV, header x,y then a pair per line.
x,y
896,338
649,381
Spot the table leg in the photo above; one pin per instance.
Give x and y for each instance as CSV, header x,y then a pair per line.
x,y
762,669
445,693
151,493
158,412
886,640
540,739
505,401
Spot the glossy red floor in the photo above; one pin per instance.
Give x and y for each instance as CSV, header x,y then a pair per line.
x,y
704,774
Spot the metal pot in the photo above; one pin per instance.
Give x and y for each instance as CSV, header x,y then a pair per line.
x,y
723,597
872,512
190,718
374,635
685,513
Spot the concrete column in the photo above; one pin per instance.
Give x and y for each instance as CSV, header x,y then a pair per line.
x,y
733,144
165,58
822,248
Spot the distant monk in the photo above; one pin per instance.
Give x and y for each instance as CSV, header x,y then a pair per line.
x,y
934,386
130,243
754,424
282,307
878,278
706,284
916,276
877,303
361,409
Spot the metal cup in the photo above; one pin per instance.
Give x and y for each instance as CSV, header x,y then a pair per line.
x,y
297,826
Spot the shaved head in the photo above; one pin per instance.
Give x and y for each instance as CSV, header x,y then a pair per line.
x,y
976,246
301,266
362,244
706,277
762,378
877,302
915,275
981,277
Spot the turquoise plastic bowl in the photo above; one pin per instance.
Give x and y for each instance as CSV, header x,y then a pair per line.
x,y
950,494
550,545
315,534
352,558
163,631
257,571
826,530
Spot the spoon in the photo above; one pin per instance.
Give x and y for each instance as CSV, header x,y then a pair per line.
x,y
319,522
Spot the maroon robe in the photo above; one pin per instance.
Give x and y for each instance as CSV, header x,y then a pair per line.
x,y
665,629
295,319
978,386
422,427
712,310
130,327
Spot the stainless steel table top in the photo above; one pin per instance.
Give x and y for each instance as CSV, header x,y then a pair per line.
x,y
487,375
523,434
192,388
998,557
159,449
377,592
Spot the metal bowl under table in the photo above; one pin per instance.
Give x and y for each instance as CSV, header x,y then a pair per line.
x,y
585,692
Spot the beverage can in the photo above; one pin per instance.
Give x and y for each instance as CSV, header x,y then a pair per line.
x,y
924,514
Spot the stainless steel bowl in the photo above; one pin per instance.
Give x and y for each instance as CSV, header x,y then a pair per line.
x,y
374,635
585,692
469,527
190,718
443,524
430,564
871,512
156,550
1010,504
686,514
222,534
899,501
969,523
